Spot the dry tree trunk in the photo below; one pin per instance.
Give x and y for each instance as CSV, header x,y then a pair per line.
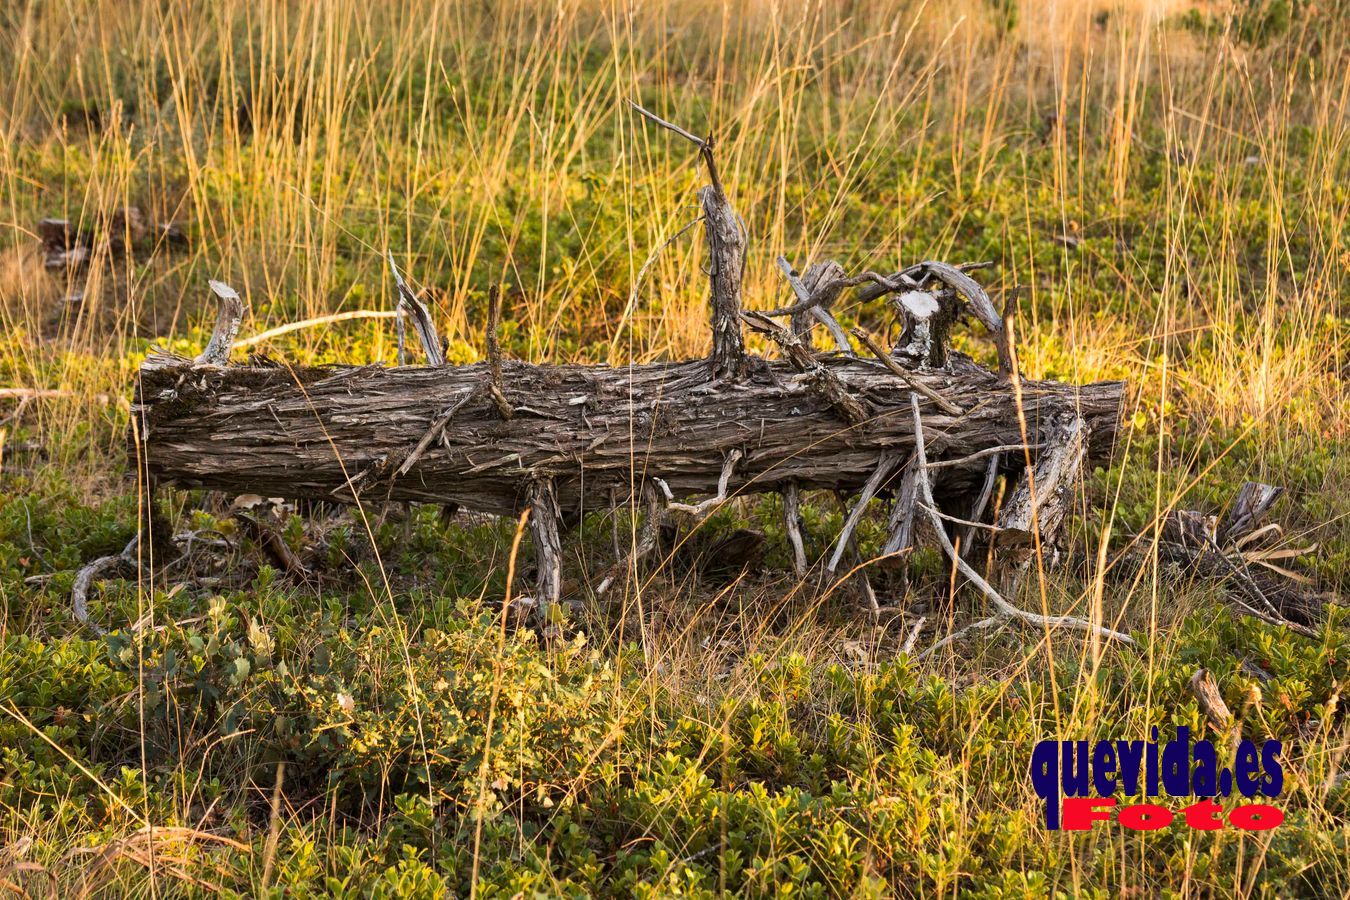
x,y
343,432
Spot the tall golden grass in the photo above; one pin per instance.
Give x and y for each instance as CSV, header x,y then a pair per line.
x,y
489,143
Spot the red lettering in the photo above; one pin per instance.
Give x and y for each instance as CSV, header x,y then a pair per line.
x,y
1145,817
1254,817
1078,813
1204,816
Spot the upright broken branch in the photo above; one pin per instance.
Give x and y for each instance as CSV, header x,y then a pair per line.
x,y
217,352
494,353
816,292
726,240
408,304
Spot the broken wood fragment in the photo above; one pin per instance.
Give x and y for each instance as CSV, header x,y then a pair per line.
x,y
410,305
900,524
1250,508
217,352
272,544
1211,702
885,467
1190,539
649,534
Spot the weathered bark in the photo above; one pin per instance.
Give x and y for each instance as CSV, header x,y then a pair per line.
x,y
336,432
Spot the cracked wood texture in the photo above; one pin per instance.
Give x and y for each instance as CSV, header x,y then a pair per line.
x,y
341,432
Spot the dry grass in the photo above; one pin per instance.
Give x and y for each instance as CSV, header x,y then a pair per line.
x,y
1164,206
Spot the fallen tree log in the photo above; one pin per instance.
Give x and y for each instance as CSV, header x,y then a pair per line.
x,y
347,432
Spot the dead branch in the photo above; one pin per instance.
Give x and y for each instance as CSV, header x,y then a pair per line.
x,y
85,578
726,259
1005,609
898,371
272,544
315,322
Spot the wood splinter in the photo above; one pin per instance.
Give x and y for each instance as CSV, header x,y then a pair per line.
x,y
1210,699
90,573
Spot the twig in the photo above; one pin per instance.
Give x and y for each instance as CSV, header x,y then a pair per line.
x,y
273,545
982,502
25,394
434,431
311,323
494,353
859,566
704,145
883,471
701,509
84,581
647,538
970,524
981,454
909,380
952,638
